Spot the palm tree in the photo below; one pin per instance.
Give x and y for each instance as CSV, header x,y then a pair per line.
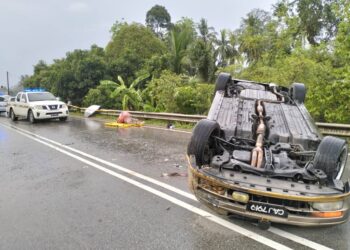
x,y
225,49
180,38
253,41
207,34
202,53
131,97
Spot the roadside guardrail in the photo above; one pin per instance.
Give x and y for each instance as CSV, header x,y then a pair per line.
x,y
342,130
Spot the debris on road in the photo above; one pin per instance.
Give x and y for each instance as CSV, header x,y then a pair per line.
x,y
172,174
170,125
91,110
178,166
125,121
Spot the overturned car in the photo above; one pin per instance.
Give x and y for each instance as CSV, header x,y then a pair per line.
x,y
259,155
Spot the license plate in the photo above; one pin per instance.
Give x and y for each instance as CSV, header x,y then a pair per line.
x,y
267,209
54,114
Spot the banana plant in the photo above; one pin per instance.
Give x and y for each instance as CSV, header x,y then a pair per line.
x,y
130,95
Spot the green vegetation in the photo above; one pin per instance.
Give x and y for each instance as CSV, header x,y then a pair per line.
x,y
171,67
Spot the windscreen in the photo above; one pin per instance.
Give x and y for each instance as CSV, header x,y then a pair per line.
x,y
41,96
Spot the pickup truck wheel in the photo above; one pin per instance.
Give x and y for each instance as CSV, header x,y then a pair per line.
x,y
222,81
331,157
31,117
298,92
202,144
12,115
63,119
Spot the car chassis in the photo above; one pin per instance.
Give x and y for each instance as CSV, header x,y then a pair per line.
x,y
259,155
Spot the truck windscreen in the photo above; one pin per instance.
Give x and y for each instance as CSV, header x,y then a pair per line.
x,y
41,96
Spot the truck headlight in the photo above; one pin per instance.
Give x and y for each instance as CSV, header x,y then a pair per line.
x,y
328,206
40,107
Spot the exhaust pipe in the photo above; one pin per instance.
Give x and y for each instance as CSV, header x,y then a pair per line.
x,y
258,153
274,90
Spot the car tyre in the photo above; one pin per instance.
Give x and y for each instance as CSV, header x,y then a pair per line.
x,y
31,117
63,119
222,81
12,115
298,92
331,156
203,145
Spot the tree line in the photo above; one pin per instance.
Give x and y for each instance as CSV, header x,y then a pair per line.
x,y
171,66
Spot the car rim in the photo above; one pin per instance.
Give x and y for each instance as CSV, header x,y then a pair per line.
x,y
341,162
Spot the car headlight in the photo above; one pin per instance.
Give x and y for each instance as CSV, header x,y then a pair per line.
x,y
63,106
328,206
39,107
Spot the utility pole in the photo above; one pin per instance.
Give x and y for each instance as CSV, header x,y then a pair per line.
x,y
8,83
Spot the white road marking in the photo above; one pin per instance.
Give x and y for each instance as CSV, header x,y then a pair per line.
x,y
198,211
300,240
277,231
110,164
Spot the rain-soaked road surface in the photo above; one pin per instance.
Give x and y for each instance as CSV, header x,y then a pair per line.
x,y
69,186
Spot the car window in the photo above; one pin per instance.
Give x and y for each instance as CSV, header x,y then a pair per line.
x,y
18,98
2,99
41,96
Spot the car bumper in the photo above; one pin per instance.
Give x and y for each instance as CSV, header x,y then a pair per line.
x,y
2,109
214,195
50,114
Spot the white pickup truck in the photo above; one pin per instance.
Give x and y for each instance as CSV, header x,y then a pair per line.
x,y
37,105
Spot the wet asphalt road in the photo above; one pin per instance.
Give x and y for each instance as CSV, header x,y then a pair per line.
x,y
53,200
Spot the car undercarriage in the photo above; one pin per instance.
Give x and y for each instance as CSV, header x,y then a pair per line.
x,y
263,132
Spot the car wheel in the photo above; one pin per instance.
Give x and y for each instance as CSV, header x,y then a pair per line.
x,y
31,117
298,92
12,115
331,156
203,144
222,81
63,119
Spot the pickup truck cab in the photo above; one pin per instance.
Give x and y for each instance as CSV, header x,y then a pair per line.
x,y
37,105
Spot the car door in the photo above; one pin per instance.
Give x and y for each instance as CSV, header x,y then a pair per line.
x,y
16,104
19,106
24,105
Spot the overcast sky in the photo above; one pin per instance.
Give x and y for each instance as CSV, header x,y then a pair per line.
x,y
31,30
